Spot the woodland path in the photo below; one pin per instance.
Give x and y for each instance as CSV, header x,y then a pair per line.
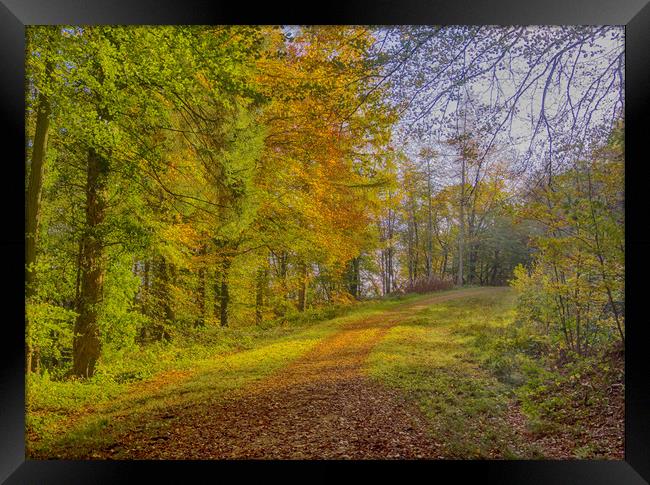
x,y
319,406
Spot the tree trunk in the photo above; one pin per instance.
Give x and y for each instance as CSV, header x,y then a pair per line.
x,y
164,300
33,201
416,243
217,295
353,277
260,290
472,245
35,187
443,270
145,287
302,291
201,300
28,365
144,298
200,319
356,273
389,251
461,234
429,225
471,267
224,295
283,270
410,251
495,267
86,345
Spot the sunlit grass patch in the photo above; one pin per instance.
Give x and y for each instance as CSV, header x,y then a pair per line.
x,y
210,377
433,357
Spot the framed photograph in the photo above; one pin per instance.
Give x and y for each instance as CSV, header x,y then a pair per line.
x,y
377,235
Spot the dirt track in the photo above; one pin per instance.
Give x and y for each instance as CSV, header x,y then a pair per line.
x,y
320,406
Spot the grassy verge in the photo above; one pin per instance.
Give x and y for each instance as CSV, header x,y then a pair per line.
x,y
434,358
492,388
71,418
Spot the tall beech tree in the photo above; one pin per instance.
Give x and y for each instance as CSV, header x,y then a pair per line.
x,y
41,66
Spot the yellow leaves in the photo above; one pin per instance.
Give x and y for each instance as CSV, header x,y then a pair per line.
x,y
312,90
183,233
203,80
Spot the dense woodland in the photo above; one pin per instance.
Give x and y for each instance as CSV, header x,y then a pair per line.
x,y
180,179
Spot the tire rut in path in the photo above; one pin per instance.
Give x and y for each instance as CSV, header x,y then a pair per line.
x,y
319,406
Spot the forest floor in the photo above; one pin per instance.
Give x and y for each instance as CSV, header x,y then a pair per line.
x,y
402,381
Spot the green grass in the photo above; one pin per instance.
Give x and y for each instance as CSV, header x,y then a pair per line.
x,y
435,358
71,418
463,362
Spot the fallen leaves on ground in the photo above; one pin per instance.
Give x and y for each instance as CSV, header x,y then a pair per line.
x,y
320,406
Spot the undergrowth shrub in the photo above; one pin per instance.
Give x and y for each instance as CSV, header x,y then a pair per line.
x,y
427,285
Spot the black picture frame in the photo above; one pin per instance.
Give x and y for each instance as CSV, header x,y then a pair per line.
x,y
634,14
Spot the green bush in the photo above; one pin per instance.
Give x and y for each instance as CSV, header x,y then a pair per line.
x,y
49,333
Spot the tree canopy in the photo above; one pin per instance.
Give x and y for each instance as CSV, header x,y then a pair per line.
x,y
183,177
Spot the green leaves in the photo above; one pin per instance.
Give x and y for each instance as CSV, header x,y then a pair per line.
x,y
578,270
50,331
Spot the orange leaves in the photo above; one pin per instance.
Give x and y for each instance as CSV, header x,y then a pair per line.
x,y
308,167
183,233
